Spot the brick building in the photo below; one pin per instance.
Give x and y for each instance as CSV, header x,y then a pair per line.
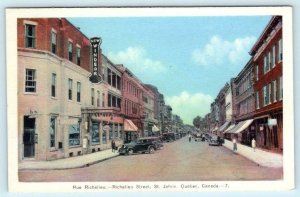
x,y
132,104
267,55
56,100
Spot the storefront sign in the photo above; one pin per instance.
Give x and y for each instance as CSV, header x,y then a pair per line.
x,y
272,122
95,42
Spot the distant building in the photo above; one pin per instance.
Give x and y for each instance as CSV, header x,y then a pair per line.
x,y
267,55
150,123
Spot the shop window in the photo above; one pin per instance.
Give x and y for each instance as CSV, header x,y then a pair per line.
x,y
110,133
74,134
52,131
30,36
30,80
116,131
95,133
104,138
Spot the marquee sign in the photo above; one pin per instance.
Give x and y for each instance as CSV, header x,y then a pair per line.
x,y
95,43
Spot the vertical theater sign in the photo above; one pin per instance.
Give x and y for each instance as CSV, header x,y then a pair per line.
x,y
95,43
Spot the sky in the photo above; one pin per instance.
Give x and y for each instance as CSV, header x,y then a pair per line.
x,y
189,59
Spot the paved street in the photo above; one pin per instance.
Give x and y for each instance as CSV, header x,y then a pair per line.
x,y
177,161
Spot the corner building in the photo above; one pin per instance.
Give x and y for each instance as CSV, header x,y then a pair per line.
x,y
267,55
56,100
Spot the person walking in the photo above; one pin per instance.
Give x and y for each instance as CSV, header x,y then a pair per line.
x,y
253,144
113,146
190,138
234,144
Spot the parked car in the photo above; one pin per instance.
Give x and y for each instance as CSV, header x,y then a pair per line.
x,y
215,141
168,137
142,145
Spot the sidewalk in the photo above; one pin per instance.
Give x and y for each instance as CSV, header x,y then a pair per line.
x,y
70,162
260,157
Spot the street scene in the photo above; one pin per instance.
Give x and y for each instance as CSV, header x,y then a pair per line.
x,y
180,160
150,99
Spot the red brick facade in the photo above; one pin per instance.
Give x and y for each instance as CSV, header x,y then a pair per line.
x,y
65,33
267,77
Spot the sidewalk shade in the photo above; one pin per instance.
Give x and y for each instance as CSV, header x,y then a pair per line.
x,y
155,129
129,126
229,128
224,126
241,126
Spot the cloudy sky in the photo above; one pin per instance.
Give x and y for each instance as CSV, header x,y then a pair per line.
x,y
188,58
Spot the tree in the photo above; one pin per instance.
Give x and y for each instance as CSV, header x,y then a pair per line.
x,y
197,121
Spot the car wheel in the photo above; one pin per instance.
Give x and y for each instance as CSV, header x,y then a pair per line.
x,y
151,150
130,152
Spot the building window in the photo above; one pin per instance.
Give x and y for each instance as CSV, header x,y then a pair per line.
x,y
257,100
279,50
274,91
114,82
98,98
119,103
270,60
274,56
52,131
114,101
78,56
30,36
267,94
30,80
74,134
109,100
256,72
78,91
53,85
118,82
266,65
104,138
110,132
116,131
70,51
95,133
109,76
53,42
103,100
92,96
70,84
280,89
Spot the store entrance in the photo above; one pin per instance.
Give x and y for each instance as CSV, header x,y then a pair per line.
x,y
28,137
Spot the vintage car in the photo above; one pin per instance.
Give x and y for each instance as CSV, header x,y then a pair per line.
x,y
168,137
215,141
142,145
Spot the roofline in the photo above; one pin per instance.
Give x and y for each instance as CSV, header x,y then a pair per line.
x,y
75,27
251,52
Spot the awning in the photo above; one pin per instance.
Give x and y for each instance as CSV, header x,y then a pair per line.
x,y
241,126
224,126
229,128
155,129
129,126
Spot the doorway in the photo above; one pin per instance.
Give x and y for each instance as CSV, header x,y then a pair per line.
x,y
28,137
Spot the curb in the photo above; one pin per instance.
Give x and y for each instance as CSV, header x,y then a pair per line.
x,y
73,167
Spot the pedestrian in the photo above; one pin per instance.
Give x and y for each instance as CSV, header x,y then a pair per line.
x,y
113,146
234,144
253,144
190,138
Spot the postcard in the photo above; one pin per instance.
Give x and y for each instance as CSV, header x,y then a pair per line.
x,y
160,99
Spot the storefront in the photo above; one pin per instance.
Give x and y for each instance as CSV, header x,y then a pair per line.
x,y
131,131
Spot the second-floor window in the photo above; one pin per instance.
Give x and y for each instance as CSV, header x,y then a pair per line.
x,y
98,98
266,65
53,42
257,100
78,91
30,80
70,87
92,96
70,51
280,89
53,85
30,36
273,56
274,91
